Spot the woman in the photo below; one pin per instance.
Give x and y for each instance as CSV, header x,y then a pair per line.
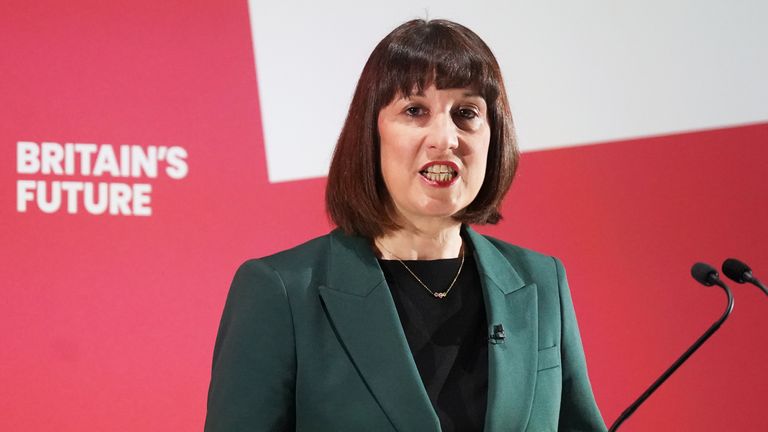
x,y
404,318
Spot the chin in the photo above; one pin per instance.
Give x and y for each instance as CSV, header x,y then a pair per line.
x,y
426,207
443,212
444,207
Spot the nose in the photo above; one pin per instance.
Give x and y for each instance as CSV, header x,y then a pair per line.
x,y
442,133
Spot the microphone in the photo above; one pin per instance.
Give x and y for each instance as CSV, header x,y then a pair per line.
x,y
741,273
707,276
498,334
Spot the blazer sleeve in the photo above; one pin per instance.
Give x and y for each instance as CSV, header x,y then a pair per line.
x,y
254,360
578,410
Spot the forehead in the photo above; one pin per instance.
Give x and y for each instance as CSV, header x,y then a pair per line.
x,y
418,86
433,92
462,92
399,86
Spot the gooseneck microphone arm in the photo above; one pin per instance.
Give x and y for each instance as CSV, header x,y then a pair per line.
x,y
707,276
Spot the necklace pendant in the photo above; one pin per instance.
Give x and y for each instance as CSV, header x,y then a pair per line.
x,y
440,294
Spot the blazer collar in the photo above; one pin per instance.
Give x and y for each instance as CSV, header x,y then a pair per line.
x,y
512,364
364,316
363,313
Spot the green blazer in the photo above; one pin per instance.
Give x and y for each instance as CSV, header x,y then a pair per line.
x,y
310,340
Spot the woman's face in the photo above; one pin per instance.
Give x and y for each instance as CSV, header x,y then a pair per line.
x,y
434,148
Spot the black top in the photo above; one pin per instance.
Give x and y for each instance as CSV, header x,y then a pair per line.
x,y
447,336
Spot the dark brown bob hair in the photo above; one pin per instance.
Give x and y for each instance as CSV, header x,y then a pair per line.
x,y
416,55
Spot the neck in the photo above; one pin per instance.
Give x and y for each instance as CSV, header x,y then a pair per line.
x,y
413,243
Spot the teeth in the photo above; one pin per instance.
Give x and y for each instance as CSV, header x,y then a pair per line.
x,y
439,173
439,177
439,169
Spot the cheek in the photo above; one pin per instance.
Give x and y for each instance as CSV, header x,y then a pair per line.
x,y
480,162
393,165
478,174
388,153
395,153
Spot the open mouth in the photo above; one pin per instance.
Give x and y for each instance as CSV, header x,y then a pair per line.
x,y
440,172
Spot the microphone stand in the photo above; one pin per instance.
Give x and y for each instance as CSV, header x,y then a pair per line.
x,y
700,341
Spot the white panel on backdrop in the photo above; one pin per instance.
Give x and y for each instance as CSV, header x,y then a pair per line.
x,y
576,72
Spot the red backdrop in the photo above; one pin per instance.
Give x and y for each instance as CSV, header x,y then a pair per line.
x,y
108,321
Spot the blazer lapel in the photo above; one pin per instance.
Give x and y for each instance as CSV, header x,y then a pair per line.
x,y
364,316
511,302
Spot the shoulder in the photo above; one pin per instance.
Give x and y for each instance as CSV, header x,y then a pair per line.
x,y
516,252
305,254
530,264
302,260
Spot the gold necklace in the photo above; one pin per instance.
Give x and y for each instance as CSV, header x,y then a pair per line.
x,y
436,294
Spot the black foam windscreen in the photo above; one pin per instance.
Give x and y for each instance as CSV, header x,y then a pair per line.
x,y
736,270
705,274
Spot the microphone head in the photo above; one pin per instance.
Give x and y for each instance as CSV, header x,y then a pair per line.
x,y
736,270
705,274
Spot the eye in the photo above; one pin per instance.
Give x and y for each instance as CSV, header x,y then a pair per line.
x,y
415,111
467,113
